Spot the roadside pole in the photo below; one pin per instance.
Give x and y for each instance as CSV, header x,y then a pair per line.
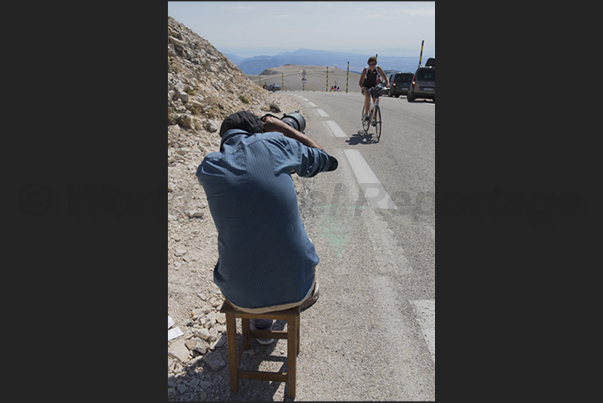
x,y
347,75
283,80
421,56
327,84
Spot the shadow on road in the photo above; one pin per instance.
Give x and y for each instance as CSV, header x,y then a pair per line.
x,y
362,138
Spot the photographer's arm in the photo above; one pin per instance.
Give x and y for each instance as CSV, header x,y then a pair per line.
x,y
312,165
272,124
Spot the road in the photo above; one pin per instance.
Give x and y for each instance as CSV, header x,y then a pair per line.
x,y
373,224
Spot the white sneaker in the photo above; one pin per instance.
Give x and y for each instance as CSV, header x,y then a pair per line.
x,y
262,341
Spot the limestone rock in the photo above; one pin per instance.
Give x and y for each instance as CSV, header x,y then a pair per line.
x,y
196,344
211,126
179,351
186,121
201,333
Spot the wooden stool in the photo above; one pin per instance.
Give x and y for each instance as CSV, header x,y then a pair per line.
x,y
234,357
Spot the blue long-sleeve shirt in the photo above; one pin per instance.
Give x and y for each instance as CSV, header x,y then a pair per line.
x,y
265,256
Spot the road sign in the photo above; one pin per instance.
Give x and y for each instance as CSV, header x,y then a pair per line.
x,y
304,80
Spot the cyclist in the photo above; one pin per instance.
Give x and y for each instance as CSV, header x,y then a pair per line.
x,y
368,79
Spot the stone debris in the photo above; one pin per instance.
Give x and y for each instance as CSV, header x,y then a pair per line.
x,y
197,345
179,350
201,333
215,361
179,252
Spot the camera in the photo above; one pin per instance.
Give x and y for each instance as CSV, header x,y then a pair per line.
x,y
293,119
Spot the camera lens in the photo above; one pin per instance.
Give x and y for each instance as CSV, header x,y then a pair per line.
x,y
295,120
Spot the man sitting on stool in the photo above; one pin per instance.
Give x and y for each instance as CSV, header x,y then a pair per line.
x,y
266,260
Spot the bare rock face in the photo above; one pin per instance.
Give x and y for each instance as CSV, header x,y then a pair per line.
x,y
205,82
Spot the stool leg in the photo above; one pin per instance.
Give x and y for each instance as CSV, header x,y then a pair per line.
x,y
292,346
245,327
231,334
297,319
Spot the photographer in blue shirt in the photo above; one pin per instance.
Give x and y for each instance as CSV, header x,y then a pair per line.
x,y
266,261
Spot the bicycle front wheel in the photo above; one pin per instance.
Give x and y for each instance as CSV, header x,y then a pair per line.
x,y
377,123
365,122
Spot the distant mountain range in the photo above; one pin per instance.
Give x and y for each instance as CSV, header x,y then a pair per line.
x,y
309,57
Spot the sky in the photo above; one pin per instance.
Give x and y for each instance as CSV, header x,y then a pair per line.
x,y
356,26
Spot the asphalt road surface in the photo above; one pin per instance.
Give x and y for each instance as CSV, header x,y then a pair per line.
x,y
371,336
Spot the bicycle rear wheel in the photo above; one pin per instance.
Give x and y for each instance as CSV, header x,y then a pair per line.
x,y
365,123
377,123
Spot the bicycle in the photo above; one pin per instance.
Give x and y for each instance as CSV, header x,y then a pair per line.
x,y
375,113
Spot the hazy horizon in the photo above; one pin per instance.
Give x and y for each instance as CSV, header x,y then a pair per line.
x,y
246,52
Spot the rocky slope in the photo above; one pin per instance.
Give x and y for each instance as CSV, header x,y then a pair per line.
x,y
203,88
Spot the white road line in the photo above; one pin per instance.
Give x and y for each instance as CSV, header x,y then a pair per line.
x,y
311,104
304,99
335,129
322,113
391,258
373,190
424,311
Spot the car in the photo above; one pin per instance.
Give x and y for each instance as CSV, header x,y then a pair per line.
x,y
399,83
273,87
423,84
